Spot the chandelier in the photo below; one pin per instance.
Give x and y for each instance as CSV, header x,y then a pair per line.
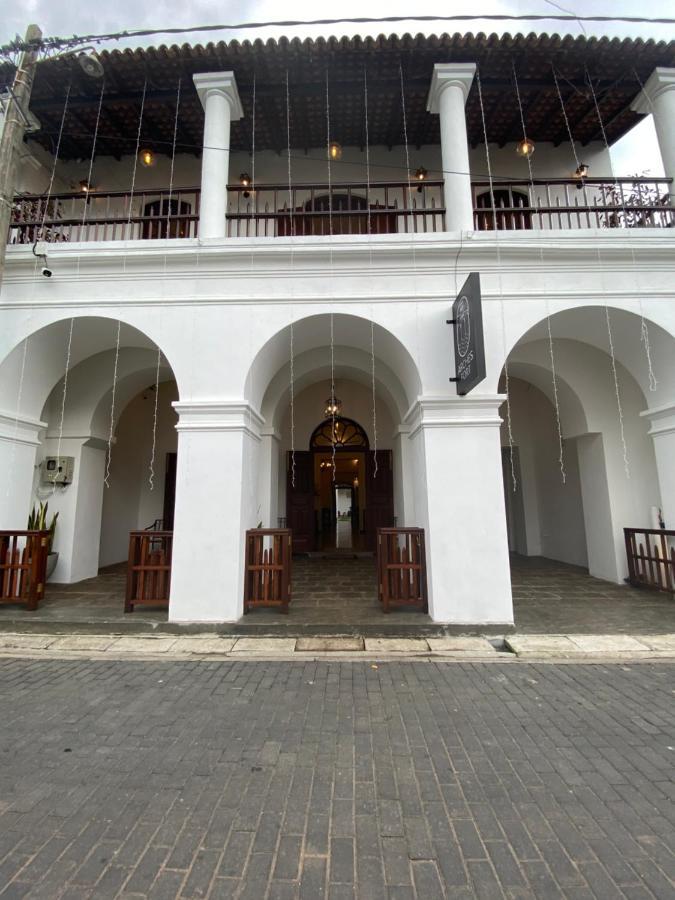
x,y
333,407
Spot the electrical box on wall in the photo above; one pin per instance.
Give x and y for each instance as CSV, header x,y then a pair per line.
x,y
58,469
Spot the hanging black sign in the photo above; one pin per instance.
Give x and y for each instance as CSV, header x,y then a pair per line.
x,y
467,319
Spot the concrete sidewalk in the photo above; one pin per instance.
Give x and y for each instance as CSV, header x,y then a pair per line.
x,y
209,646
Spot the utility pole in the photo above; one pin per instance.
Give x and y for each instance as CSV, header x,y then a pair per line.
x,y
16,119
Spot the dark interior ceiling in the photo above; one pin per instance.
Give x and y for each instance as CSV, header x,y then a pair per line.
x,y
615,66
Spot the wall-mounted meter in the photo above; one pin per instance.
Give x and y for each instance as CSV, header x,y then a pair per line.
x,y
58,469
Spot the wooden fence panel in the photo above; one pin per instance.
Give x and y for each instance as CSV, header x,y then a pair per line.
x,y
267,576
23,567
401,568
651,558
148,569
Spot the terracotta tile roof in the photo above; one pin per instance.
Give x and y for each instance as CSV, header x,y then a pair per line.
x,y
611,63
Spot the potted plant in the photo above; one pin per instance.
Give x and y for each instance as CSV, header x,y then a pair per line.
x,y
37,521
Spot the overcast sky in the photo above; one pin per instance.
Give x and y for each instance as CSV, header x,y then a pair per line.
x,y
637,152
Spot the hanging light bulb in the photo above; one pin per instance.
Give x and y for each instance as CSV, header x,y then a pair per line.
x,y
86,187
335,150
525,147
420,175
580,173
147,157
246,182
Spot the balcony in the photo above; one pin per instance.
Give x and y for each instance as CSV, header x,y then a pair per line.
x,y
356,208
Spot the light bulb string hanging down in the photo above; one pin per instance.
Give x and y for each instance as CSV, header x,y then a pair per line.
x,y
644,330
173,160
608,323
556,403
151,476
499,285
112,406
330,256
370,266
135,165
291,279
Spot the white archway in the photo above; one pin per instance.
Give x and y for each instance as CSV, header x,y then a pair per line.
x,y
608,498
37,421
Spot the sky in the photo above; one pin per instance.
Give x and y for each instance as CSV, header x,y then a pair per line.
x,y
637,152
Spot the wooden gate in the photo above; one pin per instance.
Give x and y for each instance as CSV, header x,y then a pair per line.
x,y
267,576
651,559
401,568
148,569
23,566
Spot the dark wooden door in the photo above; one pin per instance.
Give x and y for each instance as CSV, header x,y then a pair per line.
x,y
169,491
379,495
300,501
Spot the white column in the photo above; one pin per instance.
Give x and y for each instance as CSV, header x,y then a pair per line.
x,y
660,100
459,454
217,451
662,430
450,86
19,440
268,482
220,99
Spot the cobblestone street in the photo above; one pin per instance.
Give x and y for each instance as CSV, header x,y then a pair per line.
x,y
336,779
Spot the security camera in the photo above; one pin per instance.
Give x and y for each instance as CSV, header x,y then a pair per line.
x,y
46,272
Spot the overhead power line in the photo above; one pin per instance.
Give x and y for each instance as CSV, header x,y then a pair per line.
x,y
59,43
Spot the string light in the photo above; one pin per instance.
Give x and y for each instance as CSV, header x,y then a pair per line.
x,y
151,477
561,458
291,279
112,407
499,283
370,269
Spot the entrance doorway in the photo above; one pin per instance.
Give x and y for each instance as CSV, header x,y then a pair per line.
x,y
338,492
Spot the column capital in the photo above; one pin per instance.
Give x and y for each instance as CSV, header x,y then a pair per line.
x,y
218,415
446,74
222,83
662,418
20,428
659,82
476,411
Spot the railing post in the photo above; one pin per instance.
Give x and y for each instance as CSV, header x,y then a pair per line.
x,y
220,99
450,86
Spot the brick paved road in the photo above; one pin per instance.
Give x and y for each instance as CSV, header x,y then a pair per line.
x,y
280,780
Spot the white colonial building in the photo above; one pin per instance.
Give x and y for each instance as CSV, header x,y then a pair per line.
x,y
203,309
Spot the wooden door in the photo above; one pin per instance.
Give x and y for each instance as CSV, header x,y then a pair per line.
x,y
169,491
379,511
300,501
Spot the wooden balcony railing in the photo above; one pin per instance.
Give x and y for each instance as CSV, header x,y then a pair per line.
x,y
109,216
356,208
650,553
393,207
148,569
23,567
564,203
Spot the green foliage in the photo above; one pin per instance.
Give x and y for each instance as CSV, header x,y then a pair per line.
x,y
37,521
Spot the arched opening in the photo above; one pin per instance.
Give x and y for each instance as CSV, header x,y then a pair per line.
x,y
334,480
60,384
583,470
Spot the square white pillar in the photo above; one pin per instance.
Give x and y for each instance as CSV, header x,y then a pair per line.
x,y
459,449
217,456
450,86
222,106
662,430
19,441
